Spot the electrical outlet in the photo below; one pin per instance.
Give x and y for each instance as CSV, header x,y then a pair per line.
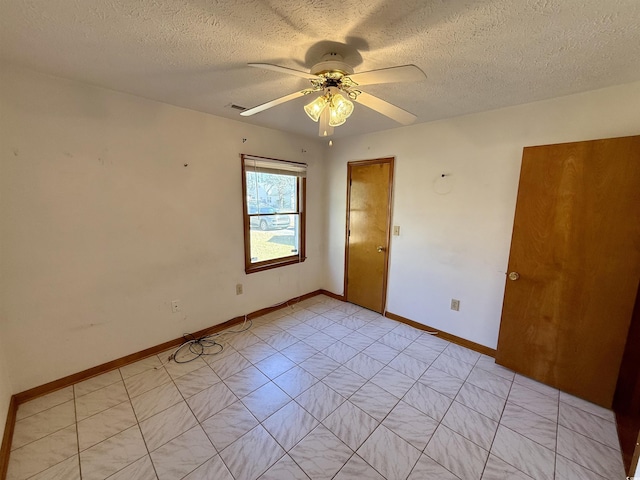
x,y
455,304
396,230
175,306
239,289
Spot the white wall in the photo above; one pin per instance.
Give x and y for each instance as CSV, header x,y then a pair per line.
x,y
456,244
102,225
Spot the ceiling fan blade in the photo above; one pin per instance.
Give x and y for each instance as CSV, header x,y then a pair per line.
x,y
385,108
272,103
278,68
404,73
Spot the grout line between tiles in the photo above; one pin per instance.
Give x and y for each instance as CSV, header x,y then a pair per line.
x,y
139,429
495,434
555,454
75,416
445,414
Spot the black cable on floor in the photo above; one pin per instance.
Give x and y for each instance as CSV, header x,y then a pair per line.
x,y
199,346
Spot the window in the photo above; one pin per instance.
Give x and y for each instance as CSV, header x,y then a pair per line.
x,y
274,212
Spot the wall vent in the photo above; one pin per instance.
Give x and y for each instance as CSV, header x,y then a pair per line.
x,y
238,107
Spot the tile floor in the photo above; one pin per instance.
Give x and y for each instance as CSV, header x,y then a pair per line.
x,y
320,390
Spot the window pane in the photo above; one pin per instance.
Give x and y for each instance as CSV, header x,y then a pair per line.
x,y
271,191
274,236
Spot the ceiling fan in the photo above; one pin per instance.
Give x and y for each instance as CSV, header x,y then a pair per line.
x,y
338,85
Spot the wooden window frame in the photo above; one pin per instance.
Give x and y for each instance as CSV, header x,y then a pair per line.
x,y
300,257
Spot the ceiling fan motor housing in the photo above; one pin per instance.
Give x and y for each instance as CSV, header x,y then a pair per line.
x,y
331,62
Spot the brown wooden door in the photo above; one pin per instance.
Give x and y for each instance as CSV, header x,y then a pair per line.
x,y
576,248
368,225
626,401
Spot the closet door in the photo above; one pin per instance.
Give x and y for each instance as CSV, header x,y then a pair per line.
x,y
574,265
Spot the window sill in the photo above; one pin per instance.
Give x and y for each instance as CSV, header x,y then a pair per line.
x,y
259,267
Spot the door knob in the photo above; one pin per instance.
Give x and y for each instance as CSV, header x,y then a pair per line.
x,y
380,249
514,276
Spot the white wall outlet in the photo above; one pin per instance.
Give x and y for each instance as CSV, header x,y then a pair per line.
x,y
176,306
239,289
396,230
455,304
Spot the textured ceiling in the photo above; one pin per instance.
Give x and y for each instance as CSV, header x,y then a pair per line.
x,y
477,55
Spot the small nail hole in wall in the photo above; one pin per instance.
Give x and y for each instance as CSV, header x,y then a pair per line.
x,y
443,184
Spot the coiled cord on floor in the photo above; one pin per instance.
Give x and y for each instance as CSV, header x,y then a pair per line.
x,y
195,347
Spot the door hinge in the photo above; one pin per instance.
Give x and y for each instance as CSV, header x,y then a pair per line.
x,y
349,234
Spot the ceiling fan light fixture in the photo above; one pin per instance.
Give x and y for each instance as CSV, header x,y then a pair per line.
x,y
315,108
340,109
